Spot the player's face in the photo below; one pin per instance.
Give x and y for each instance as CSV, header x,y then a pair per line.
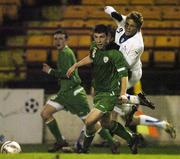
x,y
130,27
100,40
59,41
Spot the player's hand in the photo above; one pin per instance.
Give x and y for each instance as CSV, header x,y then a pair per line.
x,y
109,10
123,99
70,70
46,68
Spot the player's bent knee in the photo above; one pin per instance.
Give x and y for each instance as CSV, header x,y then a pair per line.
x,y
45,115
47,112
89,122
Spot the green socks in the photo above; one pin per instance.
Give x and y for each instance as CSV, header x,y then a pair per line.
x,y
53,127
105,134
118,129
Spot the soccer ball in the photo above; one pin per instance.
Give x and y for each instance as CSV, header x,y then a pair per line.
x,y
10,147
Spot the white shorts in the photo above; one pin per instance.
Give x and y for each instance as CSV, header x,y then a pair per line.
x,y
123,109
135,77
56,105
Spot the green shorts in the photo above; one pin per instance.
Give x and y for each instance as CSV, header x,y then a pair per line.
x,y
105,101
73,100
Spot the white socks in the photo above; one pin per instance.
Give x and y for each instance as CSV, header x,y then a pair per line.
x,y
132,99
148,120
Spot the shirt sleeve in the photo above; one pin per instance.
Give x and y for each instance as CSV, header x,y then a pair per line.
x,y
118,17
120,63
122,22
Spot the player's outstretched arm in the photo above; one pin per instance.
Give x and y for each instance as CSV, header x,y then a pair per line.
x,y
85,61
123,97
113,13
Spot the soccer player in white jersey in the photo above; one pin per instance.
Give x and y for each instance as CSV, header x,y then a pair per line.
x,y
129,38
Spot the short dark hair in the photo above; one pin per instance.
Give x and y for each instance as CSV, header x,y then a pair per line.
x,y
61,31
101,28
137,18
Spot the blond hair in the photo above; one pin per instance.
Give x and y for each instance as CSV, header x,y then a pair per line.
x,y
136,17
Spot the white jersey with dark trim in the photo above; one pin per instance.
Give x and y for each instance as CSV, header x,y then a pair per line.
x,y
131,48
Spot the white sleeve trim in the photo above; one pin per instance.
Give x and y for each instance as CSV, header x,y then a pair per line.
x,y
49,70
56,105
121,69
78,91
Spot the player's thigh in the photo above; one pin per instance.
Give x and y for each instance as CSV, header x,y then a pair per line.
x,y
54,104
123,109
47,111
93,117
114,115
135,77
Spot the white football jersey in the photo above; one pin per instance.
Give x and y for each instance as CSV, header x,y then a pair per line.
x,y
131,48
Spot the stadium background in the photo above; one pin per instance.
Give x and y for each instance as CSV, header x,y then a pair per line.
x,y
26,28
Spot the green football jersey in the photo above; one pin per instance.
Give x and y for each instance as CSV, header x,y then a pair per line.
x,y
108,67
66,59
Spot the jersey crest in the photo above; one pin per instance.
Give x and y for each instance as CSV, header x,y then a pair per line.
x,y
105,59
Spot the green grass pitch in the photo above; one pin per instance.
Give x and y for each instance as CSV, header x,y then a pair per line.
x,y
86,156
149,152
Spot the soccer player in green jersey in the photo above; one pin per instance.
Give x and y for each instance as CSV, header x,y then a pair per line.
x,y
110,83
71,96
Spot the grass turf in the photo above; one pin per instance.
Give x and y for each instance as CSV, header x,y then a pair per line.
x,y
175,149
85,156
149,152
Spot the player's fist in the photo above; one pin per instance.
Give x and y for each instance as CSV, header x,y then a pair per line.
x,y
46,68
123,99
71,70
109,9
